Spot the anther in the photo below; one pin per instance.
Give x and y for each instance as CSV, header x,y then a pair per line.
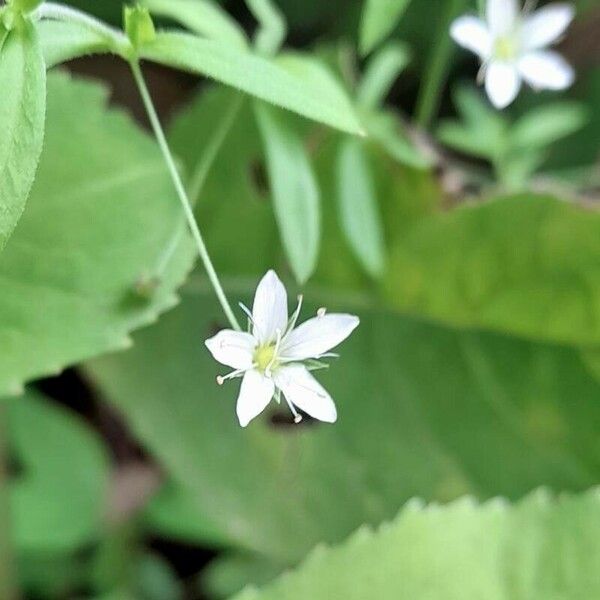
x,y
297,419
220,379
321,312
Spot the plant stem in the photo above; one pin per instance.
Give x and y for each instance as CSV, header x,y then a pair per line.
x,y
429,94
199,177
59,12
8,587
183,197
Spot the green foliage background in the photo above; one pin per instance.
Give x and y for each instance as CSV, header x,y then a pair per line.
x,y
474,377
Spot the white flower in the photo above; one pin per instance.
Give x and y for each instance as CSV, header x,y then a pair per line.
x,y
512,46
277,357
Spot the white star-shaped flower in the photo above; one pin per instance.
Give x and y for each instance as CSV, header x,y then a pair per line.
x,y
512,47
276,357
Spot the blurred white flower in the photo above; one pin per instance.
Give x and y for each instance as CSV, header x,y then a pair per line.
x,y
512,46
277,357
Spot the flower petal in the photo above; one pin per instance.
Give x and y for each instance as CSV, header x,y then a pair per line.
x,y
255,394
304,391
232,348
546,25
473,34
502,16
502,83
269,311
317,336
546,70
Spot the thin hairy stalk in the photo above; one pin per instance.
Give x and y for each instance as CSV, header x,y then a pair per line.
x,y
181,192
437,67
59,12
8,585
199,177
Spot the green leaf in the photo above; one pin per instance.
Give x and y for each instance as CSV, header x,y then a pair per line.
x,y
155,580
547,124
100,216
62,42
22,113
358,209
524,264
57,497
173,514
482,132
540,548
470,142
385,129
382,70
318,98
272,26
294,189
203,17
229,573
500,416
379,19
424,409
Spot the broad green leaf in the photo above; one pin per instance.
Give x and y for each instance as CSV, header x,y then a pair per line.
x,y
500,417
62,41
173,514
203,17
272,26
358,208
379,19
155,580
294,189
546,124
100,216
540,548
22,113
317,98
58,494
382,70
229,573
524,264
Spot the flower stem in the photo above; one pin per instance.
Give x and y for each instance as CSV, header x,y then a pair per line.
x,y
8,587
436,72
181,192
199,177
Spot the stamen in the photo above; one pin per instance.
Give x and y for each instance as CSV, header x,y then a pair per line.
x,y
321,312
221,379
275,351
246,311
297,417
295,315
250,318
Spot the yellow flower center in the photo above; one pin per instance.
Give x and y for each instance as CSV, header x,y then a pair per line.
x,y
264,356
505,48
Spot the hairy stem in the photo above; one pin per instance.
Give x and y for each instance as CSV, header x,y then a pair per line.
x,y
8,586
181,192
